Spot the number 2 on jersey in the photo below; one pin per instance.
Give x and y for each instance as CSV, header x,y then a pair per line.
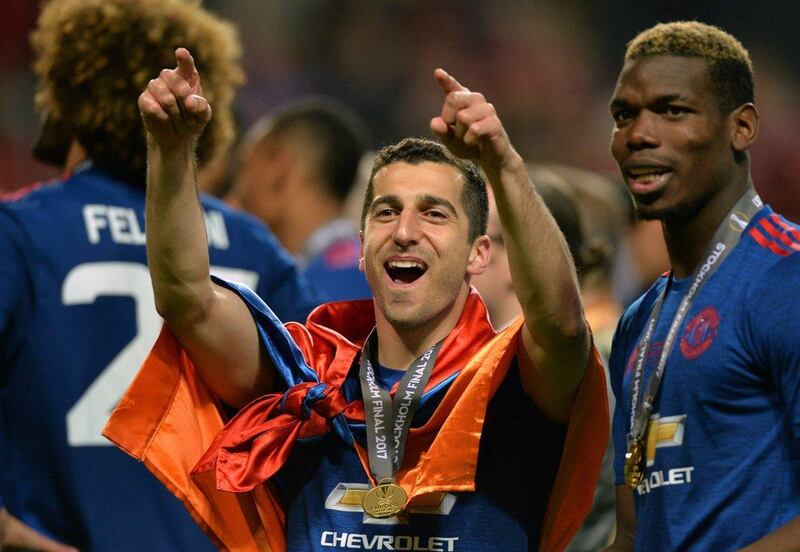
x,y
83,285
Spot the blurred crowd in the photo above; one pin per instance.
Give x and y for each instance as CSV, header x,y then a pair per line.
x,y
550,66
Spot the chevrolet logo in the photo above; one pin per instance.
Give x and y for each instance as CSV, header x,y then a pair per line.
x,y
347,497
664,432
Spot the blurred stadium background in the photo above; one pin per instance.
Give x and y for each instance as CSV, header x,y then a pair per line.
x,y
549,67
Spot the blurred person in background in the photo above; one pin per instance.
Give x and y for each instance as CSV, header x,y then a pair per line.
x,y
77,316
217,177
605,210
299,165
495,284
593,216
643,258
705,366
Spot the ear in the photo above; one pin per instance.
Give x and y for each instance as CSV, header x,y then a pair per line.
x,y
745,127
277,170
479,255
361,257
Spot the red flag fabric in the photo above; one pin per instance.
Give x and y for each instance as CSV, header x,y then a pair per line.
x,y
177,426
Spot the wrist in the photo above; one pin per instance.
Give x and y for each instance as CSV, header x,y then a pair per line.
x,y
511,167
173,151
514,163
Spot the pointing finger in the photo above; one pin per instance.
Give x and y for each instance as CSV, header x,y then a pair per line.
x,y
186,68
448,83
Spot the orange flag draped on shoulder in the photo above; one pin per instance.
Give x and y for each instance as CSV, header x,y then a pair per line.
x,y
169,420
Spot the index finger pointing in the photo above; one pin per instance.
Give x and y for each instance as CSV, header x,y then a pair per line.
x,y
186,68
448,83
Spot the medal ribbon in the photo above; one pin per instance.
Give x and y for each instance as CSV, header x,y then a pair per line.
x,y
722,243
387,420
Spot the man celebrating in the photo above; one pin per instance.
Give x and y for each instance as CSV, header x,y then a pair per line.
x,y
705,366
406,423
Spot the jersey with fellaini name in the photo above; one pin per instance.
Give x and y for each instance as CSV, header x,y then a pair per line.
x,y
323,483
722,455
77,318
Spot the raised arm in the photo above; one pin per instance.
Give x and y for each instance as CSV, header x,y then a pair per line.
x,y
555,334
211,323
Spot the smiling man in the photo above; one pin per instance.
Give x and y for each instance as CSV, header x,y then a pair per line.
x,y
705,366
404,423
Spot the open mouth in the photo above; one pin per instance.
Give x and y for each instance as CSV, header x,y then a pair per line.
x,y
647,180
646,174
405,271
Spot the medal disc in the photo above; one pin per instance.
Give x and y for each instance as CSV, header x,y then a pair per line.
x,y
384,500
633,465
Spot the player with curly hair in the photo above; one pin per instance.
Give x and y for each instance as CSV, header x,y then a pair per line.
x,y
93,56
77,316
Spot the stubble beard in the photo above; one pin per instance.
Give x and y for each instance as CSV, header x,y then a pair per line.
x,y
407,317
648,212
419,315
674,214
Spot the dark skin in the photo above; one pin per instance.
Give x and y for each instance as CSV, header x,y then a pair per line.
x,y
668,119
686,164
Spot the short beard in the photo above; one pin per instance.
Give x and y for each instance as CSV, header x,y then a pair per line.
x,y
404,323
671,214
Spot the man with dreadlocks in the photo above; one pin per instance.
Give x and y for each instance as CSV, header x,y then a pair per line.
x,y
705,366
76,305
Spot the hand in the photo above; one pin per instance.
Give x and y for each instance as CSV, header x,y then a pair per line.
x,y
469,126
14,533
173,108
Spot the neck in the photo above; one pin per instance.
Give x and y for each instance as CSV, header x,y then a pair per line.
x,y
75,156
687,239
398,347
503,313
304,215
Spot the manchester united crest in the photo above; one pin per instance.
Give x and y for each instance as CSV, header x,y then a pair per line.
x,y
700,333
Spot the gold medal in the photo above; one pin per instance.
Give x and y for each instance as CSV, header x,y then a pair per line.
x,y
633,464
387,499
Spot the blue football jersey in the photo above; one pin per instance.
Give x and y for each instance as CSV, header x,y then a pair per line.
x,y
520,451
333,252
77,318
517,464
722,456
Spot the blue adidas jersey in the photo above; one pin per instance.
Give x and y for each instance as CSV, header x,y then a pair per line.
x,y
321,484
77,318
334,271
517,464
722,454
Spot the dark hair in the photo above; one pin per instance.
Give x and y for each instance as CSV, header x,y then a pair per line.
x,y
94,58
337,135
730,70
562,204
420,150
592,211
